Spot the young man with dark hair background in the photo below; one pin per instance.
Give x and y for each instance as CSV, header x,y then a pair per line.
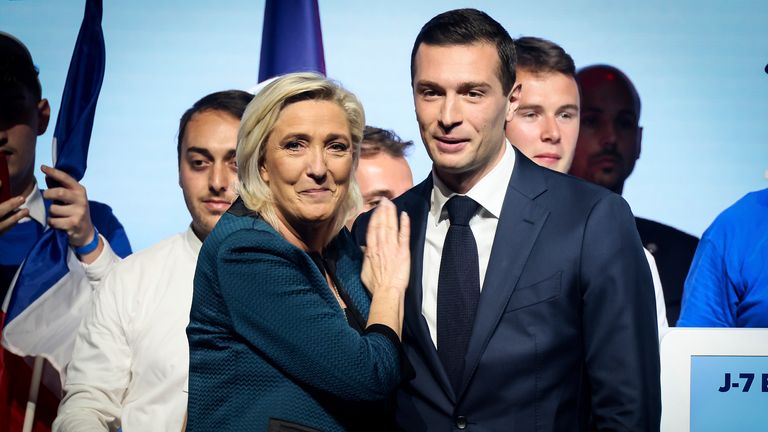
x,y
545,125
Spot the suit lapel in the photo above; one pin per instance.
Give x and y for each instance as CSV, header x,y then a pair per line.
x,y
519,226
417,205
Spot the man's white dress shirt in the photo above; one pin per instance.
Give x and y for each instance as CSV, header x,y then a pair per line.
x,y
489,192
131,359
661,304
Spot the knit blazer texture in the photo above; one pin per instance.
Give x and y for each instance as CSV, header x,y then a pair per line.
x,y
269,344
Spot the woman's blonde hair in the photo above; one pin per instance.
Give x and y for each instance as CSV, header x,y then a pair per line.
x,y
258,122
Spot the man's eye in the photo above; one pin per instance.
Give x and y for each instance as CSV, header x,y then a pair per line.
x,y
428,93
625,123
474,94
526,115
373,203
567,116
198,163
589,121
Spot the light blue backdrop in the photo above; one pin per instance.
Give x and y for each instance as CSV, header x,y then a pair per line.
x,y
698,65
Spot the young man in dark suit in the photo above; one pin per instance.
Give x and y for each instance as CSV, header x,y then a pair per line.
x,y
530,305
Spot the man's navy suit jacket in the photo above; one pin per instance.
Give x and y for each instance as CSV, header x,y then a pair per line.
x,y
565,334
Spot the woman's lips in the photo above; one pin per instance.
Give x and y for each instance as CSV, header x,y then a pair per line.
x,y
315,192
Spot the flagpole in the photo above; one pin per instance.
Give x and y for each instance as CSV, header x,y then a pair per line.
x,y
34,387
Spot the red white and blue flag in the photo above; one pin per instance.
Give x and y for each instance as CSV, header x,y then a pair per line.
x,y
41,315
50,293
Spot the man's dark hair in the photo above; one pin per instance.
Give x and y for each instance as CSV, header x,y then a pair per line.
x,y
232,102
537,55
466,27
613,73
18,74
377,140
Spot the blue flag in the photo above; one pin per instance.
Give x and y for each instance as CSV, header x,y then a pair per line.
x,y
291,40
46,265
81,92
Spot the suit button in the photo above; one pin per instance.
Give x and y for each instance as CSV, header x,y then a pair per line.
x,y
461,422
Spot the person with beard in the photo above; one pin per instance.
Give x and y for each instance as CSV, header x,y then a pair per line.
x,y
609,144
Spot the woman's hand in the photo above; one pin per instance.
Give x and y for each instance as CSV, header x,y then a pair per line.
x,y
387,262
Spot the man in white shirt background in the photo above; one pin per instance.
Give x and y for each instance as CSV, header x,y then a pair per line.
x,y
130,364
545,126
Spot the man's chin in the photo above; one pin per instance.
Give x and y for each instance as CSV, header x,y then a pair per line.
x,y
205,223
610,181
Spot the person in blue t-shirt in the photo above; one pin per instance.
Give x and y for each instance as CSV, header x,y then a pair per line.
x,y
95,235
727,285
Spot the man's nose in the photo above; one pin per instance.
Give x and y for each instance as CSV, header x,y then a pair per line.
x,y
220,177
450,113
551,131
608,135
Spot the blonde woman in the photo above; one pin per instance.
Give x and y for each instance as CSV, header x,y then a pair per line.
x,y
283,334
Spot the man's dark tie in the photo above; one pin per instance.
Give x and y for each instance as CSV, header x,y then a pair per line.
x,y
458,288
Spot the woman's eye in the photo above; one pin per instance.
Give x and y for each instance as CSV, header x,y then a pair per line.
x,y
338,147
292,145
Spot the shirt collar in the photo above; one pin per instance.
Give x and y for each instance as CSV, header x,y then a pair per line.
x,y
193,242
485,192
36,205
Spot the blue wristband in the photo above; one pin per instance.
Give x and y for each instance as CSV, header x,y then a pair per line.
x,y
90,247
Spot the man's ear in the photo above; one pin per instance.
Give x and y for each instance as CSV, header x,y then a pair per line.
x,y
43,116
514,100
639,142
